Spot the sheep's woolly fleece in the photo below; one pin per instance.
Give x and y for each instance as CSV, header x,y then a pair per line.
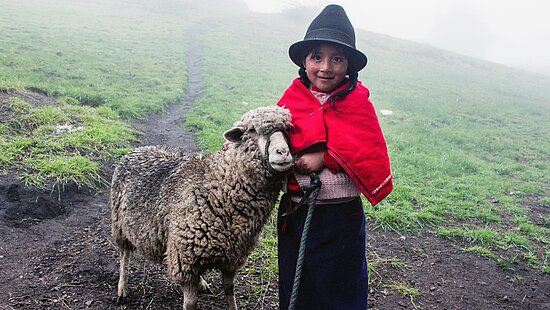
x,y
197,212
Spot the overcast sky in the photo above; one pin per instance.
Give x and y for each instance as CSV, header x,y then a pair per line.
x,y
513,32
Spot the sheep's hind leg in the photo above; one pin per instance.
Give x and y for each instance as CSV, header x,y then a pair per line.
x,y
123,276
228,280
191,294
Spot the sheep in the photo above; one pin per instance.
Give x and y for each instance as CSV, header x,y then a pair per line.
x,y
196,212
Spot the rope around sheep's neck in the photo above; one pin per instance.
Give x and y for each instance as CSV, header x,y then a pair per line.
x,y
312,191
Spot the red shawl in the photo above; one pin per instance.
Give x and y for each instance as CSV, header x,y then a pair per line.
x,y
352,135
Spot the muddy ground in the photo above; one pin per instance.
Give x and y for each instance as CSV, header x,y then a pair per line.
x,y
56,253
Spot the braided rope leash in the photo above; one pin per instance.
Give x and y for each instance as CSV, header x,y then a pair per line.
x,y
312,191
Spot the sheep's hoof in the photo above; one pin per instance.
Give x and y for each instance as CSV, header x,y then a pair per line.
x,y
120,300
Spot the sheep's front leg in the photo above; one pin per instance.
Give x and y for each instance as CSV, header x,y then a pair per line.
x,y
228,280
191,294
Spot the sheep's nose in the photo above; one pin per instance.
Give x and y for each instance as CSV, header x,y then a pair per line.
x,y
283,152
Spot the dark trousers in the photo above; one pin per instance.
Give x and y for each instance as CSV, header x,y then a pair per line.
x,y
334,274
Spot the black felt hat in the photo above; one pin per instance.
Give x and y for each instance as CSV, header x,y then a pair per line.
x,y
331,25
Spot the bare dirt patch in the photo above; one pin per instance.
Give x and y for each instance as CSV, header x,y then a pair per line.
x,y
449,278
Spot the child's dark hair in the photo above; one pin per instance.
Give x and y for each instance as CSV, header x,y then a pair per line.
x,y
352,74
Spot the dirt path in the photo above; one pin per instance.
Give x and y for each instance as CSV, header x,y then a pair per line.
x,y
56,253
166,128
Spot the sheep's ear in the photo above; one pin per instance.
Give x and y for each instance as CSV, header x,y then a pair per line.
x,y
234,134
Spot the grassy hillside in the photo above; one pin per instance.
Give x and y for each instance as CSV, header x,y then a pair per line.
x,y
125,59
469,140
123,56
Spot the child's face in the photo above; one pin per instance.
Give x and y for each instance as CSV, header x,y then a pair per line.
x,y
326,67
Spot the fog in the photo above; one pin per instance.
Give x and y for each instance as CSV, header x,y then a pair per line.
x,y
511,32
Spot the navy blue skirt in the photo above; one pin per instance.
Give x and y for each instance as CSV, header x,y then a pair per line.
x,y
334,274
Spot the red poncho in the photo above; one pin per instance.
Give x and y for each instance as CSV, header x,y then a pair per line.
x,y
352,135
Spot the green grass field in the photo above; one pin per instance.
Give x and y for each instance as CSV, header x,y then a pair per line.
x,y
469,140
131,60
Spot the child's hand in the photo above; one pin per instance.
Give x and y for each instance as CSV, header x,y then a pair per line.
x,y
310,162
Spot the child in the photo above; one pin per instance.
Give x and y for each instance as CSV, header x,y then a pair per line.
x,y
337,135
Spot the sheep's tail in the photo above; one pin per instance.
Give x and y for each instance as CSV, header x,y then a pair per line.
x,y
116,200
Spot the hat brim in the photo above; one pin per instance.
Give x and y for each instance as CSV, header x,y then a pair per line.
x,y
298,52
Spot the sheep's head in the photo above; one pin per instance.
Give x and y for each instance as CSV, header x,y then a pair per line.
x,y
268,127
